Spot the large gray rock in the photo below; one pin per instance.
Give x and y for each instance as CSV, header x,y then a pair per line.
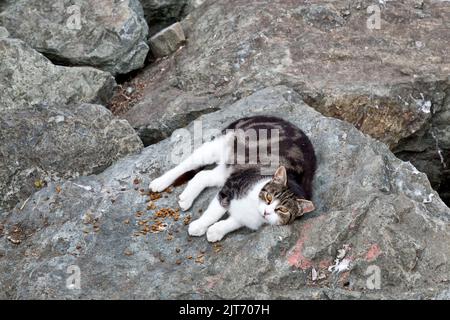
x,y
379,209
109,35
4,32
168,114
167,40
40,144
162,13
4,4
28,78
387,82
429,149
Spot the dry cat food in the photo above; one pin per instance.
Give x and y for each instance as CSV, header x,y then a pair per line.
x,y
200,258
151,205
187,220
168,212
154,196
158,226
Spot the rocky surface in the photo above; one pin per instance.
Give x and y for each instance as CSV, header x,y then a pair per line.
x,y
109,35
4,33
28,78
429,149
44,143
167,40
4,4
162,13
391,82
375,214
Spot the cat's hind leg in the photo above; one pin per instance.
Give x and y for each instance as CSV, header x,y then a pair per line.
x,y
214,212
210,152
219,229
204,179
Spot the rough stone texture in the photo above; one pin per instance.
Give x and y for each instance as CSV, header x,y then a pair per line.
x,y
4,4
429,149
162,13
167,40
111,35
42,143
389,82
4,32
28,78
367,200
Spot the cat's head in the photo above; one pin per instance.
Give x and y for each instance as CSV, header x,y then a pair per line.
x,y
278,204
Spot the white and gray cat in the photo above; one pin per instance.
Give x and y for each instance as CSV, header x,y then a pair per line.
x,y
250,197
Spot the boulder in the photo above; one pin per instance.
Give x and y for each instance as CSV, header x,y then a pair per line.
x,y
162,13
167,114
389,82
44,143
4,32
429,149
28,78
4,4
108,35
379,230
167,40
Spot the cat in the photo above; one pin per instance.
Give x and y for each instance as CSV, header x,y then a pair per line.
x,y
251,196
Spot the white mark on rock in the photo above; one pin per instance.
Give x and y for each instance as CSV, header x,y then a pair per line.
x,y
313,274
57,119
87,188
429,199
340,266
423,104
438,148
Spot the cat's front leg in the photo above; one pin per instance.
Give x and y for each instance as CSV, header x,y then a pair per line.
x,y
219,229
214,212
210,152
163,182
202,180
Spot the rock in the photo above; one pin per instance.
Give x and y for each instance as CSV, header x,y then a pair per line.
x,y
108,35
429,149
40,144
168,115
4,4
167,40
372,209
380,80
162,13
28,78
4,33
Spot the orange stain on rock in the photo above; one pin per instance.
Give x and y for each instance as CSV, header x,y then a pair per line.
x,y
373,252
324,264
295,257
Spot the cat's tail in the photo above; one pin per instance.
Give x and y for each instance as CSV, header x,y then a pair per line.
x,y
307,185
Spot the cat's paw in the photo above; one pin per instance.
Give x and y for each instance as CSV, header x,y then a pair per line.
x,y
197,228
185,201
214,233
159,184
185,204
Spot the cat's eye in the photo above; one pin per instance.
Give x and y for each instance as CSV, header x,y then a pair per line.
x,y
283,209
268,198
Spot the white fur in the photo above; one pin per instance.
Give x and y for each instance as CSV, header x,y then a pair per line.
x,y
206,178
248,211
216,151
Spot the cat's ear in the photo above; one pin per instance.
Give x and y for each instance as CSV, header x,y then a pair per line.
x,y
280,176
304,206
